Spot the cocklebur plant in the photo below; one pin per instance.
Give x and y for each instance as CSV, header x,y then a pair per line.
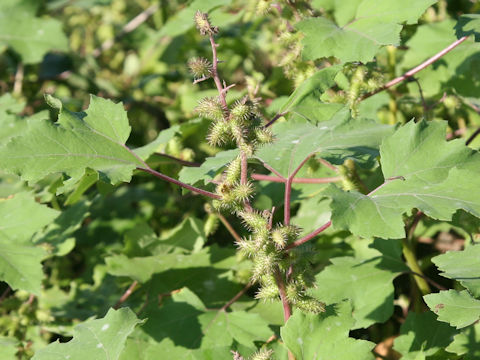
x,y
281,274
355,194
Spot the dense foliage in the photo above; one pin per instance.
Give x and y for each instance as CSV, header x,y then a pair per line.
x,y
239,179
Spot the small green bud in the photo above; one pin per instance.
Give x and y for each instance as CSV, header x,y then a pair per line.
x,y
264,136
263,264
219,133
202,22
279,238
253,220
264,354
294,292
247,247
211,224
200,67
267,292
242,111
311,305
233,171
263,7
242,192
210,108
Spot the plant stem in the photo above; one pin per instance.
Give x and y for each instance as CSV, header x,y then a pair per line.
x,y
287,310
229,227
180,161
275,118
179,183
216,78
126,295
17,85
309,236
236,297
416,69
412,263
325,180
288,196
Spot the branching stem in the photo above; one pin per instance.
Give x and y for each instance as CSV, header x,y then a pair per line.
x,y
325,180
179,183
416,69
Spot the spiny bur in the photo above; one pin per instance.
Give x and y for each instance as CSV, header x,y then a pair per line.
x,y
200,67
264,354
219,133
202,22
210,108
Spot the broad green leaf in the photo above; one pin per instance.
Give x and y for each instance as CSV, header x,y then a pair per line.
x,y
209,169
15,226
57,238
20,265
325,336
188,235
29,36
206,329
222,327
422,171
467,343
421,335
367,283
361,29
8,348
77,141
463,266
335,140
468,24
142,268
162,139
94,339
458,308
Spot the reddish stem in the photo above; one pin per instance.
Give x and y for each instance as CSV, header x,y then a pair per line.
x,y
216,78
288,195
229,227
179,183
287,311
126,295
236,297
309,236
416,69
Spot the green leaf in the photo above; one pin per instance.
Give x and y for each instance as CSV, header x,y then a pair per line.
x,y
422,171
162,139
142,268
58,237
421,335
94,339
353,278
189,235
468,24
20,261
458,308
313,87
94,139
325,336
467,344
361,29
224,327
462,266
29,36
8,348
335,140
209,169
21,216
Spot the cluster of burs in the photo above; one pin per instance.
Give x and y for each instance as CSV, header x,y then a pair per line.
x,y
241,124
